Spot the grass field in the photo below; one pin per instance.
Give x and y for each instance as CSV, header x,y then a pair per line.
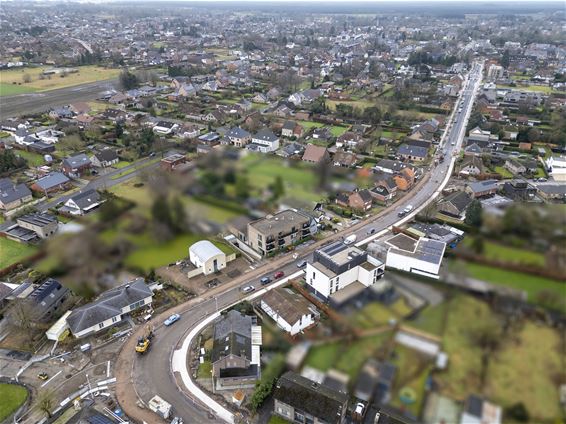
x,y
508,254
337,130
307,125
360,104
299,180
539,88
375,314
504,172
431,319
345,357
86,74
12,252
204,370
531,284
33,159
13,397
121,164
13,89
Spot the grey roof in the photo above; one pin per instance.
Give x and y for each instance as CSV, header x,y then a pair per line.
x,y
394,165
86,198
289,125
265,134
282,222
38,219
237,132
10,192
315,399
108,305
459,199
52,180
76,161
287,304
233,335
107,155
480,186
411,150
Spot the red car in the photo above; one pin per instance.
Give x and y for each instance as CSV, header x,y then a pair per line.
x,y
278,275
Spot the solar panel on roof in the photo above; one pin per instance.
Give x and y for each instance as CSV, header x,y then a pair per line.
x,y
99,419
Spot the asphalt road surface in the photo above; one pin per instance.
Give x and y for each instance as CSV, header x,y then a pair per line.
x,y
28,103
144,377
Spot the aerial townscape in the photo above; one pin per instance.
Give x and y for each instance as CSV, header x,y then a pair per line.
x,y
281,212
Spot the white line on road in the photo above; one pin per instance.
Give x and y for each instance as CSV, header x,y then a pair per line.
x,y
44,384
108,369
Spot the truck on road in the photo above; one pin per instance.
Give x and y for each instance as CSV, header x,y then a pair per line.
x,y
350,239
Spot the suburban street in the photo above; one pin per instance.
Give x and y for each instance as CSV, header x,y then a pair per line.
x,y
143,377
41,102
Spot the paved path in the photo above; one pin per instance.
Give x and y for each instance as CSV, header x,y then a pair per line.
x,y
25,104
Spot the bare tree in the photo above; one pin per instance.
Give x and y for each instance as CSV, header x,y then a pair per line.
x,y
45,403
21,315
26,78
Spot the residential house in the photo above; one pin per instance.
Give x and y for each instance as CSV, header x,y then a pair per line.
x,y
265,141
301,400
238,137
381,194
292,129
471,165
345,159
405,179
291,311
189,131
114,115
482,188
519,190
412,152
105,158
390,166
13,195
473,149
45,301
480,411
76,166
514,166
278,231
322,134
80,108
165,127
340,272
50,183
349,139
32,227
235,354
455,204
110,308
556,166
172,161
359,200
83,202
291,149
316,154
422,257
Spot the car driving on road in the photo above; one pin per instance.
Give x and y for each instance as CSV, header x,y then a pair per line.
x,y
278,275
172,319
265,280
248,289
301,264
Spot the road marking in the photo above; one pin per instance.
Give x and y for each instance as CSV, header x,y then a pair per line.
x,y
108,369
44,384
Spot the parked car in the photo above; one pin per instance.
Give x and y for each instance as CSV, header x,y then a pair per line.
x,y
42,376
301,264
265,280
371,231
172,319
278,275
248,289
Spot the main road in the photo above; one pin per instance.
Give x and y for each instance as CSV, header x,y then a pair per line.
x,y
141,377
25,104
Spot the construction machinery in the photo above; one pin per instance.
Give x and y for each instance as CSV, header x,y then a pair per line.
x,y
145,341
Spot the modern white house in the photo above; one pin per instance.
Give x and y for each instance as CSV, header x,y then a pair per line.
x,y
556,166
340,272
83,202
206,257
291,311
264,141
110,308
423,256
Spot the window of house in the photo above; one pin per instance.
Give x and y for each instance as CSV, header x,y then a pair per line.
x,y
114,319
101,325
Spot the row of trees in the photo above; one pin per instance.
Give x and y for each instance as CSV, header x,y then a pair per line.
x,y
9,161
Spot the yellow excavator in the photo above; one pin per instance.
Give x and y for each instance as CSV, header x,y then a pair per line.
x,y
145,341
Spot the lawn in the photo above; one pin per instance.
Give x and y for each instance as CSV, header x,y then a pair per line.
x,y
431,319
504,172
204,370
151,255
533,285
13,397
277,420
375,314
85,75
33,159
337,130
299,180
500,252
535,385
539,88
198,209
360,104
13,89
13,252
412,372
307,125
121,164
347,357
